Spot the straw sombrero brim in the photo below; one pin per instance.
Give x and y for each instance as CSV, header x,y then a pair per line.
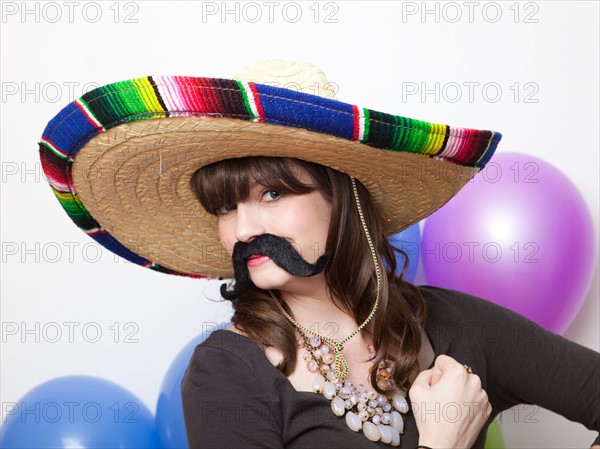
x,y
120,160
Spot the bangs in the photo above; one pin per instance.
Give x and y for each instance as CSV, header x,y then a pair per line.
x,y
227,182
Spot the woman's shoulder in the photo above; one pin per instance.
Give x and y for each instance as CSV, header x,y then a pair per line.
x,y
274,356
227,340
437,294
220,349
455,319
462,317
224,354
445,302
233,345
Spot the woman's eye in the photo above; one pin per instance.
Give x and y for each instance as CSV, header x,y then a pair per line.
x,y
224,210
272,195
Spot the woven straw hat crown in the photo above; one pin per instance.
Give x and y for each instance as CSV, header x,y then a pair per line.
x,y
293,75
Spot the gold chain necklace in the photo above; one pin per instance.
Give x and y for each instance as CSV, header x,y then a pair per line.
x,y
341,365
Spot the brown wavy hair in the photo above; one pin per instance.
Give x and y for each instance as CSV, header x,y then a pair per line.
x,y
350,274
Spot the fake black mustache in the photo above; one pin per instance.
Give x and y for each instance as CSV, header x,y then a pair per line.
x,y
280,251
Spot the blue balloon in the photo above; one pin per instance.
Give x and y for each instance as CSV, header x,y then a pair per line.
x,y
79,411
169,410
408,241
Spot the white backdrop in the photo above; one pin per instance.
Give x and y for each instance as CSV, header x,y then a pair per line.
x,y
533,68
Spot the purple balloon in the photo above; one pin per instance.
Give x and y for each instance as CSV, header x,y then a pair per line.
x,y
520,235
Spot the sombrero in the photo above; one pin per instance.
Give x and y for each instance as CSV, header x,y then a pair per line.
x,y
120,158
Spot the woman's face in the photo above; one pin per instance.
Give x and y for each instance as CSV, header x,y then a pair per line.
x,y
303,220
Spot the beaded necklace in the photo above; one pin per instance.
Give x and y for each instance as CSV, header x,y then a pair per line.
x,y
364,408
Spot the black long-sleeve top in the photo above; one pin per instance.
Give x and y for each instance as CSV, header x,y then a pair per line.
x,y
233,397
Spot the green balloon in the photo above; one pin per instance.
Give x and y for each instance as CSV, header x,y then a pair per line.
x,y
494,439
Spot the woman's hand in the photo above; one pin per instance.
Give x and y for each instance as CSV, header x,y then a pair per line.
x,y
449,405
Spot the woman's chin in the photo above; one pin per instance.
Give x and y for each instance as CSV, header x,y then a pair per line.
x,y
270,277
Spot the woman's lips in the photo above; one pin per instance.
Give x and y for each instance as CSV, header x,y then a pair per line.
x,y
256,260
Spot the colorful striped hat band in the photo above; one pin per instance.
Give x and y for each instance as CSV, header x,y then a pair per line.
x,y
120,158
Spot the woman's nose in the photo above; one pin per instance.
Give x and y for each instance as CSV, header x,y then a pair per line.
x,y
249,223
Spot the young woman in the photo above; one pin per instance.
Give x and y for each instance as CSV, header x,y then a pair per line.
x,y
293,195
280,219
